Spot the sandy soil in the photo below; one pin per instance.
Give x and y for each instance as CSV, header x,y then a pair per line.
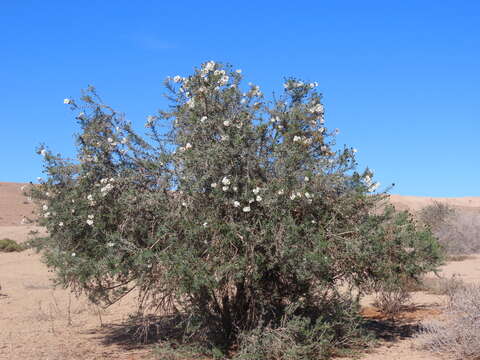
x,y
38,321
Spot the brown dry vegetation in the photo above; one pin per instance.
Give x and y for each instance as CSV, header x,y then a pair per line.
x,y
40,322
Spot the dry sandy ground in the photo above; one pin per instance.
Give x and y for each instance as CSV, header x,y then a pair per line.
x,y
40,322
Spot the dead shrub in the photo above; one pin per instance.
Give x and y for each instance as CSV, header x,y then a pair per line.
x,y
458,334
457,230
391,300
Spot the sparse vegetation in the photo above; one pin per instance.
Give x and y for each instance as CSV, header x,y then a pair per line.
x,y
458,335
390,299
9,245
442,285
243,217
458,230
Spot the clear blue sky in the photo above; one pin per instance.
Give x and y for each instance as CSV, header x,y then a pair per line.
x,y
401,79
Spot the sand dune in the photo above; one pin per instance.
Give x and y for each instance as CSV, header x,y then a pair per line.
x,y
13,204
415,203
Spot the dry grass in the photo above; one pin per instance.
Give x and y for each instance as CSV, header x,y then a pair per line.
x,y
457,335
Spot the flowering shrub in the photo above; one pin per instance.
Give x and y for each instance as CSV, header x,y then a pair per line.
x,y
241,210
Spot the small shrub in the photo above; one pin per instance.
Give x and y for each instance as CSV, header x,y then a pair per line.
x,y
390,299
9,245
443,286
459,334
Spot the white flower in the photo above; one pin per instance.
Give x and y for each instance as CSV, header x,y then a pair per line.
x,y
236,203
205,224
374,187
60,224
308,195
213,185
73,254
184,204
368,179
223,80
246,209
106,189
292,196
209,66
225,188
46,215
188,146
110,244
318,108
226,181
226,123
256,190
251,201
45,207
110,140
234,188
90,197
259,198
90,222
307,178
280,127
124,141
299,194
280,192
72,211
238,71
203,119
314,222
91,216
177,78
67,101
296,138
181,148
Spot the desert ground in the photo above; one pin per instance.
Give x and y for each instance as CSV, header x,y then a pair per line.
x,y
38,321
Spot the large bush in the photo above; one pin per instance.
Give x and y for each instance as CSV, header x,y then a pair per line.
x,y
241,215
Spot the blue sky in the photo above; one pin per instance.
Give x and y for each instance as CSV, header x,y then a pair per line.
x,y
401,79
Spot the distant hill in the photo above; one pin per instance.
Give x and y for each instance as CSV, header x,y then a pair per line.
x,y
415,203
13,205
